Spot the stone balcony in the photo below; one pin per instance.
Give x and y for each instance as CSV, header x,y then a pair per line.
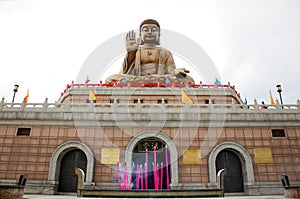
x,y
172,115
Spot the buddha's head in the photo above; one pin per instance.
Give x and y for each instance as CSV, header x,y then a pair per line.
x,y
150,32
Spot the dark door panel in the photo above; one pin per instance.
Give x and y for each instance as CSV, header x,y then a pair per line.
x,y
67,178
234,178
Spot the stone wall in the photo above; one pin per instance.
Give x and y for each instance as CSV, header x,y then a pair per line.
x,y
108,126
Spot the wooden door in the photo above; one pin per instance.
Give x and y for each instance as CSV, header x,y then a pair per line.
x,y
233,181
67,178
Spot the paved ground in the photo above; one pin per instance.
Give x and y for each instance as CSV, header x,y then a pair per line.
x,y
74,197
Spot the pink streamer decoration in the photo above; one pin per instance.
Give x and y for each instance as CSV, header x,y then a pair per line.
x,y
167,167
157,176
155,171
161,175
142,175
142,183
125,178
146,170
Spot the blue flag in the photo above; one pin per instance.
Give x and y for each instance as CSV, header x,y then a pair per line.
x,y
245,102
218,82
87,79
167,80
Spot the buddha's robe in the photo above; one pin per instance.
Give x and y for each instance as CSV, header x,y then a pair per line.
x,y
154,61
150,65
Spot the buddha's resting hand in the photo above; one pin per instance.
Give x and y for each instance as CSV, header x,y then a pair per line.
x,y
181,72
131,43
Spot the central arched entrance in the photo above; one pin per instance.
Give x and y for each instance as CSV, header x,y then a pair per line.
x,y
161,172
173,156
67,178
233,181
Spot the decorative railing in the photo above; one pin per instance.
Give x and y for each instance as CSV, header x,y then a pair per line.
x,y
151,85
142,107
139,107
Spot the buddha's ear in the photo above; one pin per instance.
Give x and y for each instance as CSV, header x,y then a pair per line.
x,y
139,41
158,41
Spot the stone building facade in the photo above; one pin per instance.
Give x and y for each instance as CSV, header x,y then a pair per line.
x,y
218,130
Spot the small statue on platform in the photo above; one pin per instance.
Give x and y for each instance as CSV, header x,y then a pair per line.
x,y
146,62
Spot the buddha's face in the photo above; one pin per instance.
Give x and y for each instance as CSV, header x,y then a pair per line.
x,y
150,34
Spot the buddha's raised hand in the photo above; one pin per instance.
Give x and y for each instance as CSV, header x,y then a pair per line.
x,y
131,43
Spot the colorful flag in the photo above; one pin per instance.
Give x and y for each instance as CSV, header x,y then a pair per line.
x,y
167,80
271,99
245,102
93,97
126,80
87,79
217,82
26,97
185,98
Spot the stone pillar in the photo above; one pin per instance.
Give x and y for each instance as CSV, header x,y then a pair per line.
x,y
220,179
80,173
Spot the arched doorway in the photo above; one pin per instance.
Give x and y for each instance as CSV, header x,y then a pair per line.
x,y
67,177
241,152
171,148
233,181
162,170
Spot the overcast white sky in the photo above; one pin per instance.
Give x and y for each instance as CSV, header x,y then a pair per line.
x,y
254,44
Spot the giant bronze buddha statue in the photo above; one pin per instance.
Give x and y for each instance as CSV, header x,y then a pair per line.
x,y
146,62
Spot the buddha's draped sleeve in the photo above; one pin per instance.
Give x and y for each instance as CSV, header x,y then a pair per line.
x,y
129,67
166,63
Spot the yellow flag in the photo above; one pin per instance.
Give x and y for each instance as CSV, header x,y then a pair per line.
x,y
271,99
185,98
92,96
26,97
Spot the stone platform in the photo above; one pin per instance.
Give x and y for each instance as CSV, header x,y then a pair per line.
x,y
151,193
84,190
68,196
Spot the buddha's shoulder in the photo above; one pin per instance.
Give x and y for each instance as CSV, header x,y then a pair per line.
x,y
165,51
